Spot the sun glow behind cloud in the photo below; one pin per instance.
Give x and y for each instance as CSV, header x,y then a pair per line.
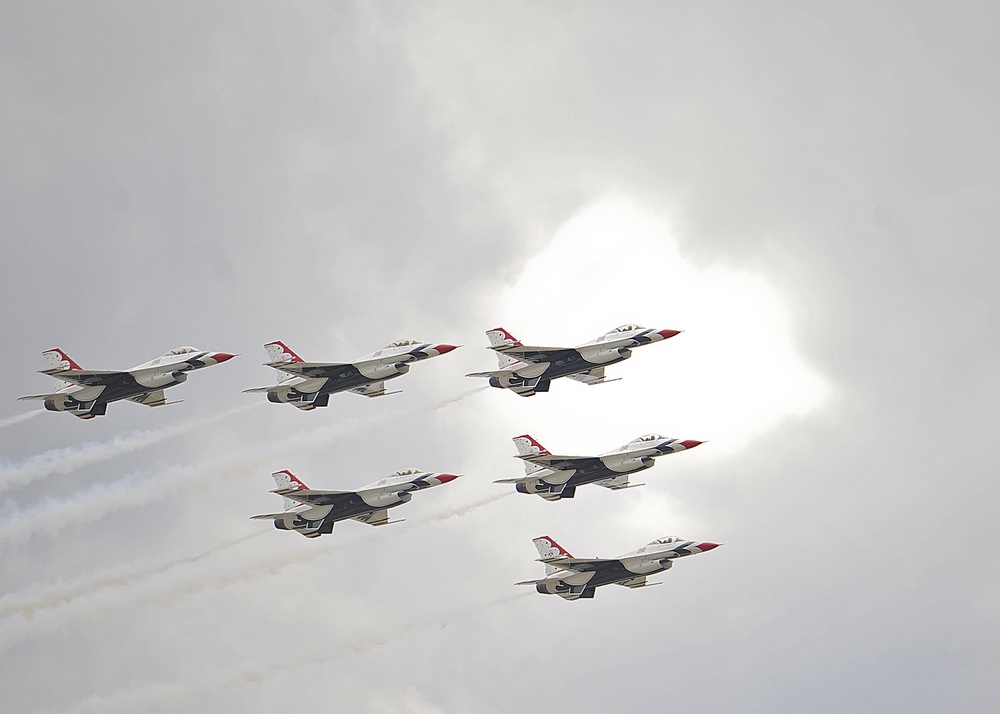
x,y
733,375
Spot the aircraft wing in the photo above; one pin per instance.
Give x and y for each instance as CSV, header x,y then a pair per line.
x,y
561,463
329,370
592,376
581,565
639,582
316,498
87,377
377,518
537,354
373,389
617,483
153,399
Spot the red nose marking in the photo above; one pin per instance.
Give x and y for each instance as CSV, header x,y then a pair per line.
x,y
445,349
690,443
666,334
222,356
445,478
707,546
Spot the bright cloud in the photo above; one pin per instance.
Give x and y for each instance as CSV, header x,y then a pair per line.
x,y
733,374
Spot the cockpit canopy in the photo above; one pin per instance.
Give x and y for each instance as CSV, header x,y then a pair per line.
x,y
647,439
626,328
186,350
408,472
667,540
400,343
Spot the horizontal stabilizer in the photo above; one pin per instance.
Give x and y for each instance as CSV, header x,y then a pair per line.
x,y
517,480
258,390
268,516
37,397
494,373
535,582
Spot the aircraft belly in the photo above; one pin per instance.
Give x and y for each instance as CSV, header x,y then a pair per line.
x,y
355,506
597,473
351,381
123,389
566,366
612,574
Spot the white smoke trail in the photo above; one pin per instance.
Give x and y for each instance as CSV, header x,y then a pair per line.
x,y
10,421
154,697
52,515
36,598
29,614
71,458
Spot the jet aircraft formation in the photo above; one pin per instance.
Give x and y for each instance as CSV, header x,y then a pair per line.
x,y
524,370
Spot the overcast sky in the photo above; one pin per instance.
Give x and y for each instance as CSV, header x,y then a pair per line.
x,y
809,193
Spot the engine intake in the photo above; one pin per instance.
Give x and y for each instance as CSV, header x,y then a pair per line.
x,y
384,500
385,371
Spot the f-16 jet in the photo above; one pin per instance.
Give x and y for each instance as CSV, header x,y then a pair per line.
x,y
554,477
529,370
574,578
313,513
86,393
308,385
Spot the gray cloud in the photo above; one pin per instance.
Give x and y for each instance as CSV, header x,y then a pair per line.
x,y
341,176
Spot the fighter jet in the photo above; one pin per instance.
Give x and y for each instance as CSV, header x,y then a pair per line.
x,y
574,578
529,370
308,385
313,513
86,393
555,477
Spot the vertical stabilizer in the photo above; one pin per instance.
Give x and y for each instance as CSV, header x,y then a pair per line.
x,y
548,548
278,352
287,481
499,337
526,445
58,361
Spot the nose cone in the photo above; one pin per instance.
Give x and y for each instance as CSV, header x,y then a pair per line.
x,y
707,546
667,334
444,349
691,443
445,478
221,356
